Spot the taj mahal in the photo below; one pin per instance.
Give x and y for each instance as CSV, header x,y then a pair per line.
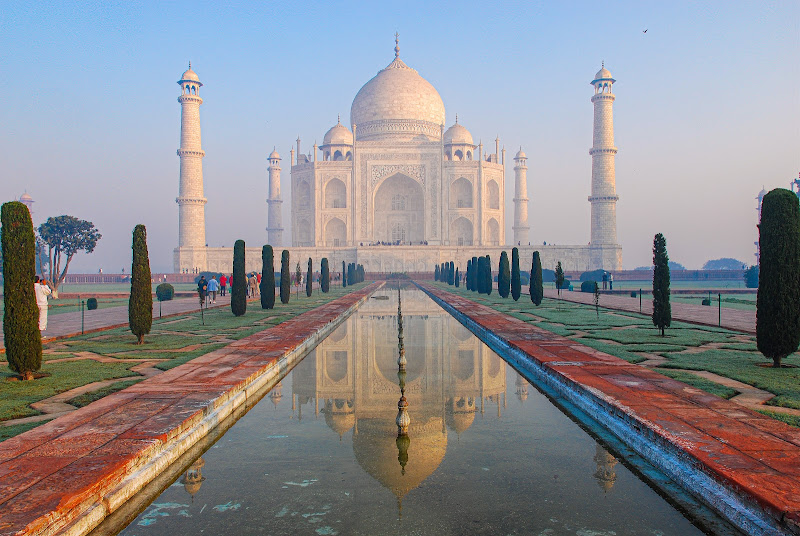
x,y
397,191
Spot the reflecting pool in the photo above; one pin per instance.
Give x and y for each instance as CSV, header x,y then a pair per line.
x,y
485,452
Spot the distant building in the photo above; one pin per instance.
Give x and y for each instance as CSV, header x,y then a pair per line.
x,y
28,201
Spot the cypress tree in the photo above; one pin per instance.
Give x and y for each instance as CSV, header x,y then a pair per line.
x,y
361,274
22,338
239,283
436,273
559,277
503,276
285,283
488,274
778,299
458,276
267,286
516,285
482,275
309,280
474,274
451,275
469,273
140,303
536,286
325,275
344,275
662,311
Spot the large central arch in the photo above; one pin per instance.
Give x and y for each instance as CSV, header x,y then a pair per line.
x,y
399,211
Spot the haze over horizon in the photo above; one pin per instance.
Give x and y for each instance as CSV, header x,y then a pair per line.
x,y
707,109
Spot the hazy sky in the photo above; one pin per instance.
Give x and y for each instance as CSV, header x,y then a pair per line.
x,y
707,109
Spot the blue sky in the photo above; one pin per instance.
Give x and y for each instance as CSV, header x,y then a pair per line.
x,y
707,109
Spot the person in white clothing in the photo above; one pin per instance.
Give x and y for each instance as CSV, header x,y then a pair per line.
x,y
42,291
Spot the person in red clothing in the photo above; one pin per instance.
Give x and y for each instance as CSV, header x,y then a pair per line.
x,y
258,278
222,282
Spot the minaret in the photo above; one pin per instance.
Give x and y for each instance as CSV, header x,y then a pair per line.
x,y
274,203
191,203
521,228
604,194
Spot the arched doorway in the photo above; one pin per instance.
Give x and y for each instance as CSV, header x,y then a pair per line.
x,y
335,194
399,211
461,232
461,193
335,233
494,195
493,232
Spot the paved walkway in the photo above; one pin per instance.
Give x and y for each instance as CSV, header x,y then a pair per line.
x,y
79,467
735,319
699,439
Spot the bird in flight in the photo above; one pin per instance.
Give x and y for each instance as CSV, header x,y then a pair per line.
x,y
644,31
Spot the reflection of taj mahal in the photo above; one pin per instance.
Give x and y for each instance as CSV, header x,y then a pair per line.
x,y
396,190
352,378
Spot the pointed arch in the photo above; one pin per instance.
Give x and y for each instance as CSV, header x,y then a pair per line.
x,y
461,193
335,194
335,233
493,195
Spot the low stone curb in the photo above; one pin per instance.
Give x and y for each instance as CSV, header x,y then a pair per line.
x,y
745,489
68,475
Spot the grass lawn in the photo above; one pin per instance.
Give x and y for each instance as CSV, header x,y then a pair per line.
x,y
172,342
633,337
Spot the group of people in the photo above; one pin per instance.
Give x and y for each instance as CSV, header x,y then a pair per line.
x,y
210,288
42,290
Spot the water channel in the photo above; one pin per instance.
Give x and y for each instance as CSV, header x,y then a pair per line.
x,y
485,451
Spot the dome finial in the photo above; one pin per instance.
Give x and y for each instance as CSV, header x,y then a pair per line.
x,y
190,65
338,119
603,64
456,119
396,45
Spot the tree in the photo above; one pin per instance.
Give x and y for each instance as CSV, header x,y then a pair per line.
x,y
487,273
451,273
536,287
559,278
436,273
751,277
140,304
344,275
596,291
298,275
457,277
267,286
662,310
324,275
22,338
474,274
65,236
778,299
468,278
503,276
285,291
725,263
480,278
309,279
516,286
239,283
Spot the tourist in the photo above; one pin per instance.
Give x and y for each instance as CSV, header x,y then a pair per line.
x,y
213,287
222,282
42,291
252,284
202,287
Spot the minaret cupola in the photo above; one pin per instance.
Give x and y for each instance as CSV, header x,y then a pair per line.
x,y
458,143
337,143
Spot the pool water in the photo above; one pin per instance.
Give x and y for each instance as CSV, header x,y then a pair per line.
x,y
487,453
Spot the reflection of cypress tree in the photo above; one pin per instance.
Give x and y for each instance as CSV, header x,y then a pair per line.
x,y
23,340
267,278
239,284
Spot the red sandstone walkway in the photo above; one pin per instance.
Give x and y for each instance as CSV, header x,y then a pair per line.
x,y
54,474
735,319
755,456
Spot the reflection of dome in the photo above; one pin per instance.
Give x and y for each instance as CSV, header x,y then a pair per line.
x,y
376,450
605,474
460,414
338,135
339,416
193,478
397,102
457,134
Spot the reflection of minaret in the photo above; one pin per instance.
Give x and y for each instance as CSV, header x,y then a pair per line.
x,y
193,478
522,388
276,394
605,474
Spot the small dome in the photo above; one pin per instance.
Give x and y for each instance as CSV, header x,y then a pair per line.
x,y
761,194
457,134
274,155
338,135
520,154
603,74
189,75
24,198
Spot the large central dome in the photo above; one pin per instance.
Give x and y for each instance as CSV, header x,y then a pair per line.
x,y
397,104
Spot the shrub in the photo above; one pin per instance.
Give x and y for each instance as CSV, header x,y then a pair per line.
x,y
267,286
588,286
91,304
164,292
239,283
140,305
633,294
706,301
286,289
778,300
325,275
751,277
23,340
516,283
